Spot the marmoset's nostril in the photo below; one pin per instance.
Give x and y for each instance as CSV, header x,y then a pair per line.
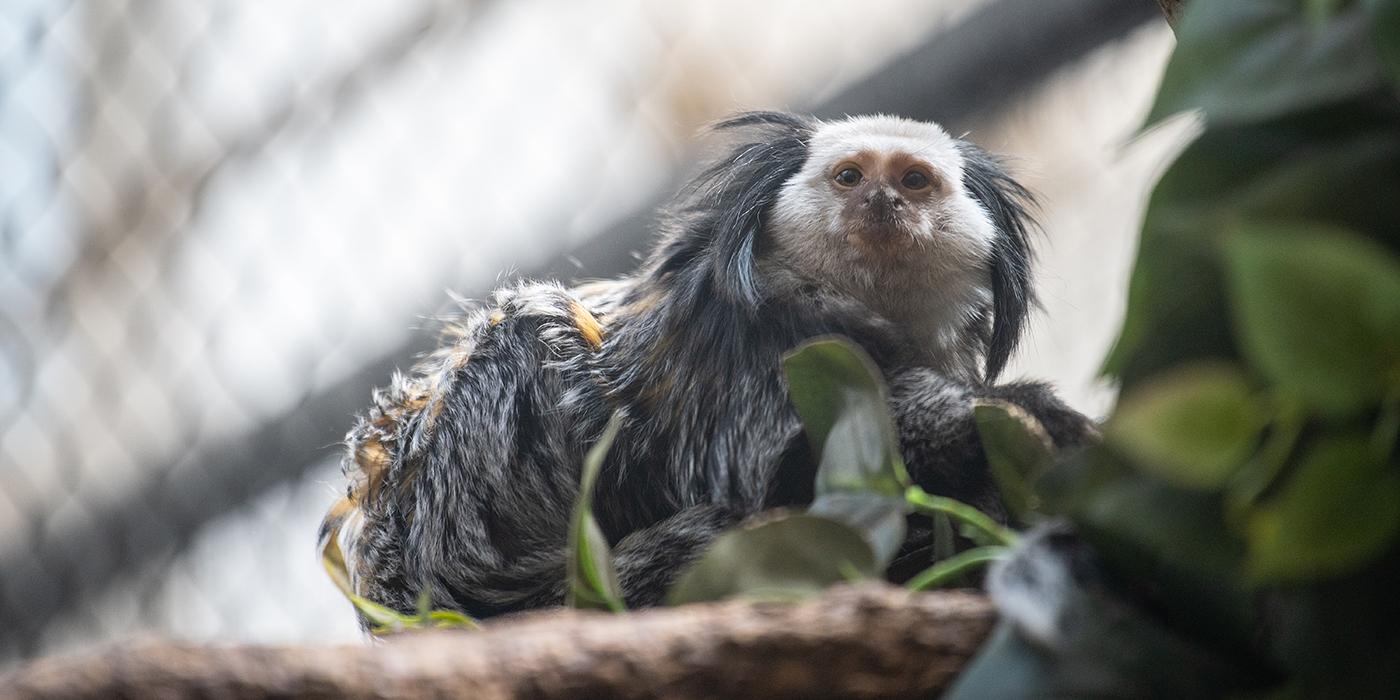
x,y
882,202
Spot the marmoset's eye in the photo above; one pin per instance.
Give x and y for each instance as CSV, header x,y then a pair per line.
x,y
848,177
915,180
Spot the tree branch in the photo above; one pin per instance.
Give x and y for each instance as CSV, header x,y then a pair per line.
x,y
867,641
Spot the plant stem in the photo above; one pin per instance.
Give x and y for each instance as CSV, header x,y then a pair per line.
x,y
953,567
927,503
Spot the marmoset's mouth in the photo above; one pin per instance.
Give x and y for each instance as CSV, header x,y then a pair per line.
x,y
880,238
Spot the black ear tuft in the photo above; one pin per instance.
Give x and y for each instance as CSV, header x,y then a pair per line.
x,y
1009,206
717,218
781,120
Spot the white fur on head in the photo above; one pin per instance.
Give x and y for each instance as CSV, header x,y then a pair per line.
x,y
930,272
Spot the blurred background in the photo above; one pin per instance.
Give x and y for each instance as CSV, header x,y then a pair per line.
x,y
222,223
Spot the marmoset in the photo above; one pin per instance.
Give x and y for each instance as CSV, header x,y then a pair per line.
x,y
891,232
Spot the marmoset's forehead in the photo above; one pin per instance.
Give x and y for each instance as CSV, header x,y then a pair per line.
x,y
884,134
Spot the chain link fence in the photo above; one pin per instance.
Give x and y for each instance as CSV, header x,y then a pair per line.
x,y
221,223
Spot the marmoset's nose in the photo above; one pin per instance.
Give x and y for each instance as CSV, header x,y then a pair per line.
x,y
882,203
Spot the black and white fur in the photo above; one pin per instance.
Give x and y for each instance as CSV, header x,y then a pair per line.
x,y
462,476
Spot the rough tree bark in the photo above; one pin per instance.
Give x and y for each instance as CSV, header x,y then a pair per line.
x,y
862,642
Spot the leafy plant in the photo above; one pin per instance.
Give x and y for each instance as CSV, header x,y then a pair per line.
x,y
861,477
592,578
788,558
856,522
1018,451
1302,316
1192,427
1247,492
1317,312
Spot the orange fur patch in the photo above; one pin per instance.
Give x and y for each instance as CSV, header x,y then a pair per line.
x,y
495,318
374,462
588,326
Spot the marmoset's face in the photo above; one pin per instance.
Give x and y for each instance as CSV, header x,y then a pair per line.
x,y
879,195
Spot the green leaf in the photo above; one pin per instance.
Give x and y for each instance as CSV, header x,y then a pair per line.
x,y
1006,666
788,558
1336,167
1249,61
1018,452
1317,310
880,520
1385,35
842,401
844,408
1193,426
1150,531
451,619
1107,649
1166,526
1337,513
592,579
955,567
383,618
1259,474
